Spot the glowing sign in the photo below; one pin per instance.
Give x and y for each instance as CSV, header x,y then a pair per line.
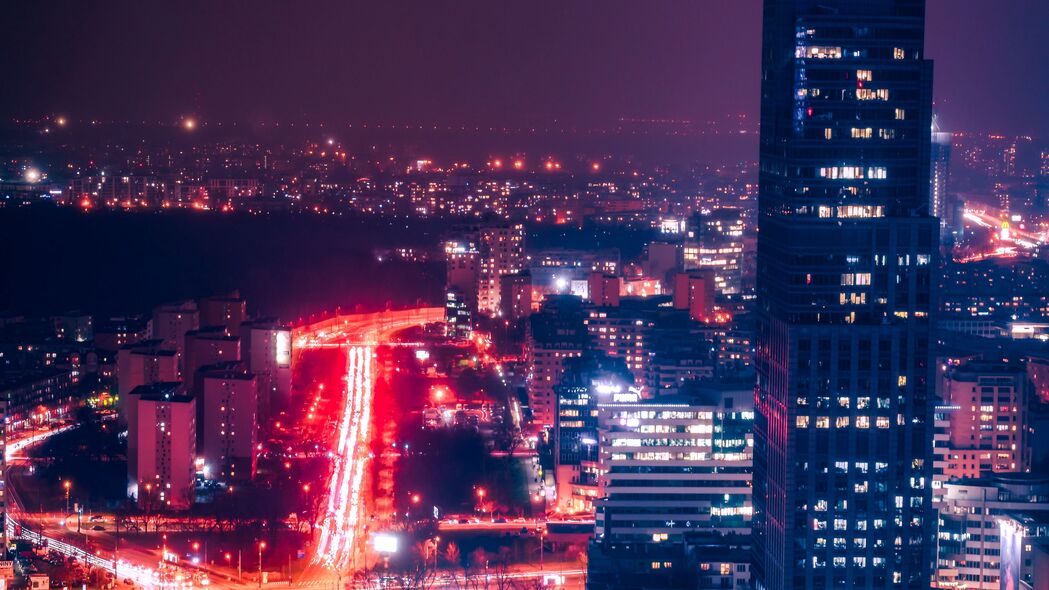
x,y
672,226
283,342
384,543
1011,535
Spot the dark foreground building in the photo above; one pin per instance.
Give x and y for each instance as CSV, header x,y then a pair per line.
x,y
846,260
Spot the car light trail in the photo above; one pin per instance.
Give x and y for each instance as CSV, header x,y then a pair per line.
x,y
342,539
340,535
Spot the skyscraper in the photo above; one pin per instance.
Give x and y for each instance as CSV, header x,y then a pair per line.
x,y
478,257
715,242
846,256
940,172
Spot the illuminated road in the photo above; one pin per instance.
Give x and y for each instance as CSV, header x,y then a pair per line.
x,y
1004,230
341,533
23,524
516,524
342,541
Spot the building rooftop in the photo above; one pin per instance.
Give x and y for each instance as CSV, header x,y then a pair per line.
x,y
173,391
21,378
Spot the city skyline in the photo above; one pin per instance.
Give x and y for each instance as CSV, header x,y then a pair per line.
x,y
473,64
700,295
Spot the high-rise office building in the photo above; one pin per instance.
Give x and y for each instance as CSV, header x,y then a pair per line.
x,y
586,381
3,473
478,257
939,173
603,289
675,465
988,419
625,333
502,253
515,298
973,525
457,314
694,291
462,262
847,249
715,242
554,334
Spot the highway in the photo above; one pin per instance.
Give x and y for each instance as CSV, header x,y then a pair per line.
x,y
342,543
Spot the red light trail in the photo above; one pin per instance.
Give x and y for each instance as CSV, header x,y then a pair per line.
x,y
340,535
341,543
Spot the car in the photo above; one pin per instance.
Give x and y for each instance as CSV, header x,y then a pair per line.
x,y
98,528
95,518
553,580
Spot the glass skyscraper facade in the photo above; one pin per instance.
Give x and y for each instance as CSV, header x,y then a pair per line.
x,y
847,255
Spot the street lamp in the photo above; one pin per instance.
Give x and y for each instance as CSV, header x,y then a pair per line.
x,y
480,497
542,537
262,545
67,484
436,546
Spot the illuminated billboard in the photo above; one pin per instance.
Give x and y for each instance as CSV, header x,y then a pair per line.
x,y
1011,554
384,543
283,342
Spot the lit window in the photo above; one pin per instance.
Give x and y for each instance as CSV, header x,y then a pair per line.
x,y
817,52
856,278
871,94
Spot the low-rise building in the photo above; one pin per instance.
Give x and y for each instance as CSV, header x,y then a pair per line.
x,y
971,512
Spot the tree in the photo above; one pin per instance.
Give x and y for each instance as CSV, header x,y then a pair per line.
x,y
452,555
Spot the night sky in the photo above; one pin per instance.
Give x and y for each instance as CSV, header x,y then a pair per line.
x,y
471,61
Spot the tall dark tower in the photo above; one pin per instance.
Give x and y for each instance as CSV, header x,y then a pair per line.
x,y
847,253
